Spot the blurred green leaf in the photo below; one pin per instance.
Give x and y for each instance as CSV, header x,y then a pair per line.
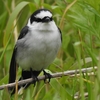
x,y
60,90
13,16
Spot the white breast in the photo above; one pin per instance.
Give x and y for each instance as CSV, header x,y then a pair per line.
x,y
39,48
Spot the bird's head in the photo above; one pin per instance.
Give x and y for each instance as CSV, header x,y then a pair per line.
x,y
42,20
41,16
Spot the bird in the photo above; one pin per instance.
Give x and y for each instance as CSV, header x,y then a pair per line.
x,y
37,46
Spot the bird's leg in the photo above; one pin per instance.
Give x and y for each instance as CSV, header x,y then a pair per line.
x,y
34,77
47,76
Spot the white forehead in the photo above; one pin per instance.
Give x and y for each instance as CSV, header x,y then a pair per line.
x,y
42,14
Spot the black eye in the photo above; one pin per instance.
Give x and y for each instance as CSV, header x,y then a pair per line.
x,y
34,19
38,20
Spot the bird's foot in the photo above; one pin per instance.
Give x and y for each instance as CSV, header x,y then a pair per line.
x,y
47,76
35,79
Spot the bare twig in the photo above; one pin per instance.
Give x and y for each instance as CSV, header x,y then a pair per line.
x,y
77,96
59,74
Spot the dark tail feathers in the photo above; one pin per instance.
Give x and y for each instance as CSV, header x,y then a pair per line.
x,y
26,75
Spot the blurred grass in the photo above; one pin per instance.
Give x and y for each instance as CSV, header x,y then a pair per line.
x,y
80,24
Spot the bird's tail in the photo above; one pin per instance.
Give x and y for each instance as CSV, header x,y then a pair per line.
x,y
12,70
26,75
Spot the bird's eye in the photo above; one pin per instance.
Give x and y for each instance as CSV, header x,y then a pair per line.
x,y
38,20
35,19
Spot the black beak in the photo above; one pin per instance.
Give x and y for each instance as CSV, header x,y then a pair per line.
x,y
47,19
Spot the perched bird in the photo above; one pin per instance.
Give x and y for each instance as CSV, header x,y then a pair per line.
x,y
36,47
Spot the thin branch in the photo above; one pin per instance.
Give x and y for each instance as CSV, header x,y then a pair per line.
x,y
77,96
66,9
59,74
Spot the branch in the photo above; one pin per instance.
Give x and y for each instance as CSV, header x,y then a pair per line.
x,y
59,74
78,96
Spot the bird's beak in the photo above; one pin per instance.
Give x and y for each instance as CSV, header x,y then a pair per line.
x,y
47,19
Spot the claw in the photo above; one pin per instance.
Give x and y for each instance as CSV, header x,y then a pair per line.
x,y
35,79
47,76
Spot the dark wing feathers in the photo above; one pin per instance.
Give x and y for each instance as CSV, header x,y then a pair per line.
x,y
13,64
23,32
60,33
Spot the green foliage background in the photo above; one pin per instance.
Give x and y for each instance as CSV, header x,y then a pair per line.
x,y
79,21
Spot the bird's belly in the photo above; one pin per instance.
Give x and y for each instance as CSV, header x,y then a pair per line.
x,y
42,60
37,59
38,54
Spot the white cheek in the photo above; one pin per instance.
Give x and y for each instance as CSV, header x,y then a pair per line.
x,y
29,24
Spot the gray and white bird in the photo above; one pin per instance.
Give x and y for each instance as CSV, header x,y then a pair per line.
x,y
36,47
